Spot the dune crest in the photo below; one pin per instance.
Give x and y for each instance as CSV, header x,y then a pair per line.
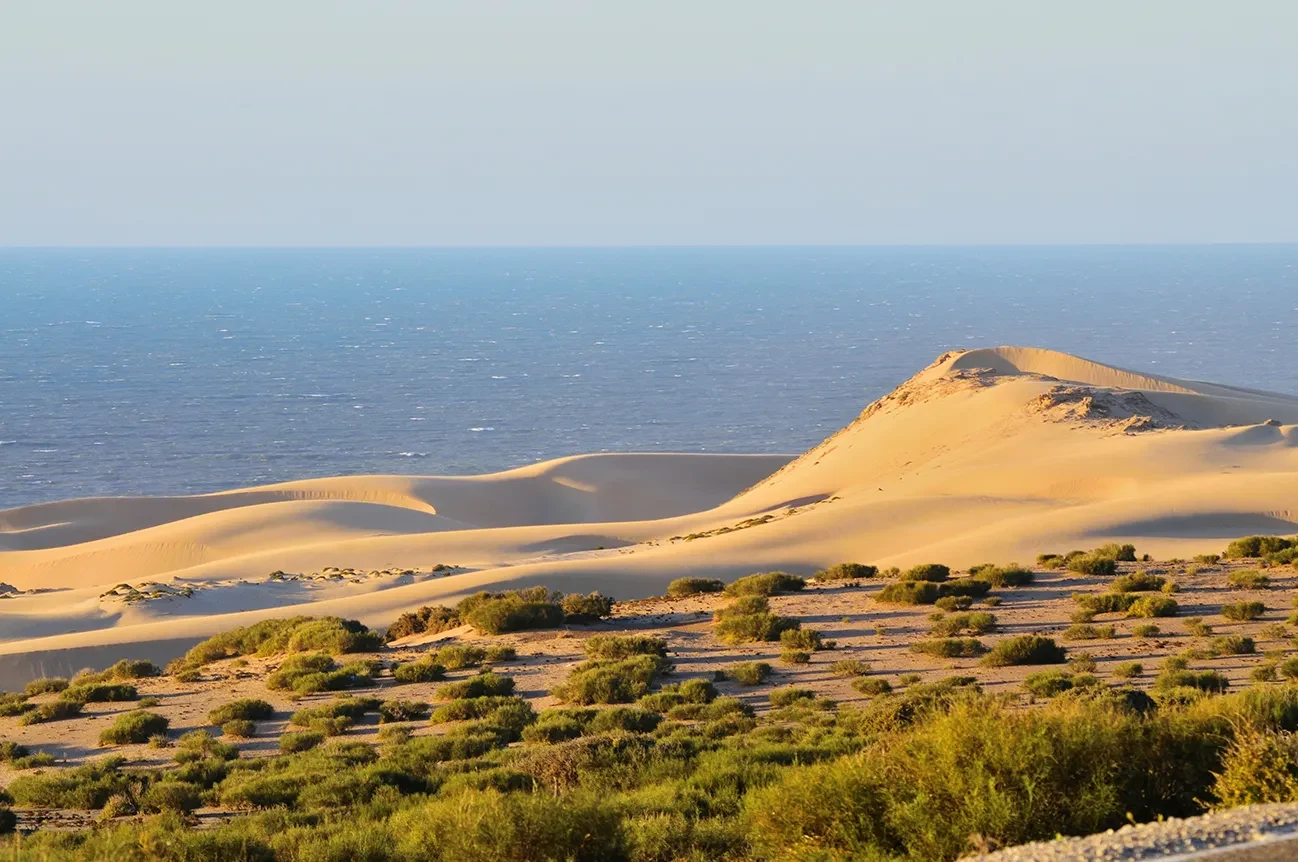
x,y
993,454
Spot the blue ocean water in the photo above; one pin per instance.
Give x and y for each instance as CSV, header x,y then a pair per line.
x,y
160,371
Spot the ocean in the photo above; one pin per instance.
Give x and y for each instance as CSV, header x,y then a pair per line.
x,y
179,371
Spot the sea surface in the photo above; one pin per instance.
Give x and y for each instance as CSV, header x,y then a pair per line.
x,y
174,371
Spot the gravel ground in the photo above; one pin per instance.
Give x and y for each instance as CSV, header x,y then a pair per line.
x,y
1259,833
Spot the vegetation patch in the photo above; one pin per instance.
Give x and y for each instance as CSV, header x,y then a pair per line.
x,y
1257,546
1012,575
430,620
1248,579
1025,649
611,680
847,572
1243,611
931,572
1153,606
623,646
682,587
749,672
976,623
749,619
766,584
949,647
134,728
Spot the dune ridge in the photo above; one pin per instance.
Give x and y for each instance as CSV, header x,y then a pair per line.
x,y
988,454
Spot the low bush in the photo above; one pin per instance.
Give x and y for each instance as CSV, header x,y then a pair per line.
x,y
239,728
1128,670
421,670
850,667
931,572
971,587
1082,662
949,647
1197,628
787,696
766,584
1153,606
86,787
180,797
134,727
682,587
513,610
99,692
847,572
1231,645
300,740
1051,561
809,640
123,669
1050,683
427,619
1012,575
1137,582
483,685
871,685
611,680
1202,680
308,673
1105,603
1242,611
793,656
749,619
45,685
1248,579
1256,546
1089,633
402,710
910,593
469,709
1146,630
978,623
1093,564
55,710
954,603
749,672
588,608
274,637
623,646
1025,649
244,709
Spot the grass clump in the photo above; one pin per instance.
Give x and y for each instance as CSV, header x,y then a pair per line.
x,y
55,710
134,727
99,692
585,609
682,587
1197,628
294,741
1051,683
623,646
1137,582
611,680
872,686
847,572
483,685
954,603
930,572
1012,575
1243,611
850,667
749,619
239,728
1086,632
793,656
766,584
809,640
513,610
1257,546
977,623
1248,579
1146,630
949,647
1153,606
45,685
1232,645
244,709
308,673
1025,649
1169,680
331,635
1106,603
1128,670
431,620
402,710
910,593
749,672
423,669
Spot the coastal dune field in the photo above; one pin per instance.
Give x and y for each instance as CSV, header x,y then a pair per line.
x,y
986,455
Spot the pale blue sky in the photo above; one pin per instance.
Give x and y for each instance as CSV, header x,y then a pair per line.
x,y
438,123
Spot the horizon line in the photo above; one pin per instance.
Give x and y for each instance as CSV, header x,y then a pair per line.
x,y
624,246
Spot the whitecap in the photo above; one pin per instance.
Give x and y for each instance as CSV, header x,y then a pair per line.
x,y
486,428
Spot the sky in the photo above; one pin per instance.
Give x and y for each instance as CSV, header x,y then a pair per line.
x,y
559,122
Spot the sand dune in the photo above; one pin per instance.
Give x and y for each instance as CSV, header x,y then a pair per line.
x,y
991,454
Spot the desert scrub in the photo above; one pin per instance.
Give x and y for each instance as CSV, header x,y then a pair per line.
x,y
421,670
244,709
682,587
749,619
808,640
99,692
472,708
1025,649
909,593
512,610
55,710
1146,630
788,696
300,740
1248,579
1128,670
1082,662
1203,680
483,685
586,609
949,647
352,708
611,680
871,686
793,656
134,727
1196,627
850,667
308,673
123,669
954,603
1106,603
239,728
1051,561
623,646
749,672
427,619
977,623
1231,645
1091,564
402,710
274,637
1137,582
1256,546
767,584
847,572
45,685
1050,683
931,572
1242,611
1153,606
1012,575
1086,632
86,787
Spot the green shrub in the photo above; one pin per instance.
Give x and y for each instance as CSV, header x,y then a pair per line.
x,y
134,727
1137,582
1203,680
422,670
809,640
1153,606
243,709
1146,630
1051,561
850,667
239,728
123,669
431,620
199,745
748,619
86,787
793,656
1232,645
1128,670
483,685
178,796
1121,553
1197,627
46,685
682,587
456,656
1088,633
871,685
300,740
910,593
787,696
1012,575
468,709
847,572
953,603
1025,649
1050,683
98,692
1093,564
1082,662
1248,579
623,646
55,710
766,584
1106,603
402,710
1241,611
978,623
274,637
1256,546
931,572
578,609
972,587
623,718
949,647
749,672
611,680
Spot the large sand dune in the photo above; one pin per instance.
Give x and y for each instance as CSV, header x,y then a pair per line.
x,y
992,454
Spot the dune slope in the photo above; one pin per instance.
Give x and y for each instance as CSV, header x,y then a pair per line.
x,y
990,454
